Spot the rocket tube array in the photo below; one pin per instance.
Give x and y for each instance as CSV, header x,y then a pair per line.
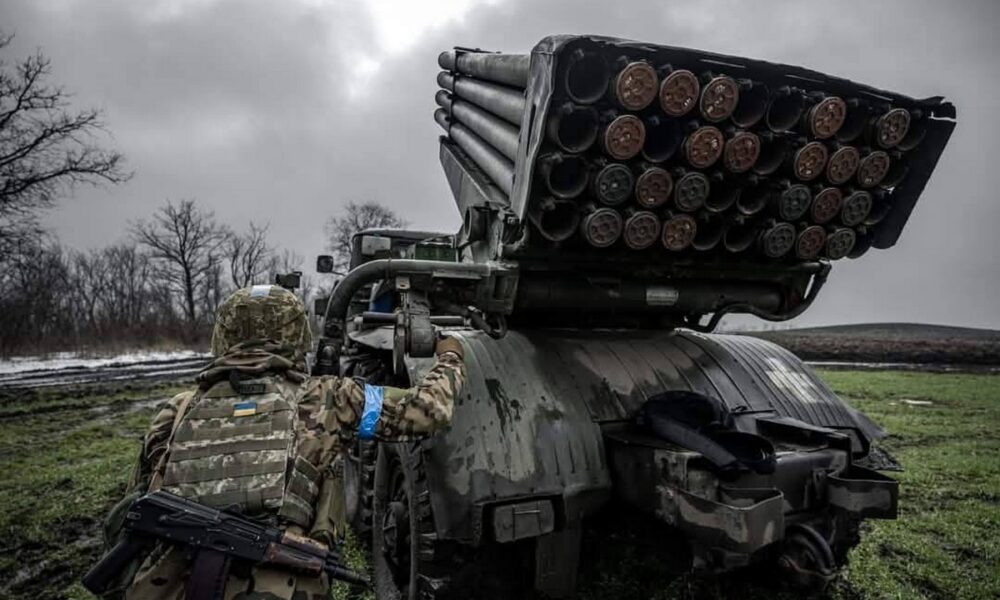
x,y
665,159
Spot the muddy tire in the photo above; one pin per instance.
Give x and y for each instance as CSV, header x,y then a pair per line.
x,y
359,479
408,560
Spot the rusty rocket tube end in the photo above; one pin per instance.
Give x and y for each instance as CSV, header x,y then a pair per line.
x,y
691,191
602,227
826,205
778,240
810,242
624,137
653,187
642,228
873,168
794,202
613,184
809,161
840,243
635,86
719,98
825,118
703,147
678,232
741,152
892,127
856,208
679,92
843,164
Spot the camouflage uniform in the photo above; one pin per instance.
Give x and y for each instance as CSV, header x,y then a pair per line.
x,y
260,435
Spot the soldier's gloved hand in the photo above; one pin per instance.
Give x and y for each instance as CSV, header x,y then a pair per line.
x,y
449,344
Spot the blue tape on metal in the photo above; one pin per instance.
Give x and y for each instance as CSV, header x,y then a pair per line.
x,y
372,411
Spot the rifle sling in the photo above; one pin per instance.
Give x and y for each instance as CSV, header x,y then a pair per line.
x,y
209,572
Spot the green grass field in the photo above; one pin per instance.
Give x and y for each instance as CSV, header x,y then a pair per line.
x,y
65,456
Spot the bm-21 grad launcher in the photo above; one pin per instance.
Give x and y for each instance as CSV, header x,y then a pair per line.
x,y
619,198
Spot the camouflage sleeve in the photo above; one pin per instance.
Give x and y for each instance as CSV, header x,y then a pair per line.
x,y
406,413
154,443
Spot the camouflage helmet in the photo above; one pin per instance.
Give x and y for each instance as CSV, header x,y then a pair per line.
x,y
261,312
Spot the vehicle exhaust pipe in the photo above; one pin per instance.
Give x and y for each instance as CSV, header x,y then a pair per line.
x,y
573,128
565,175
507,103
557,220
508,69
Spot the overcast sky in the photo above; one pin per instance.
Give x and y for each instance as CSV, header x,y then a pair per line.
x,y
281,111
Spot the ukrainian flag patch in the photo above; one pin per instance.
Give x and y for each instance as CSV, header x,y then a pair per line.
x,y
244,409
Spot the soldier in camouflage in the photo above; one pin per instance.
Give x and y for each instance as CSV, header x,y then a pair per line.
x,y
260,436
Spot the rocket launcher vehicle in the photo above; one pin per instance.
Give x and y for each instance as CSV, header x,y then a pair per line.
x,y
625,180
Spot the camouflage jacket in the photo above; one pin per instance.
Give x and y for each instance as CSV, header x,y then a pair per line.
x,y
330,411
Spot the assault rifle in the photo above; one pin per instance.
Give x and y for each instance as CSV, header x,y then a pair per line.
x,y
215,538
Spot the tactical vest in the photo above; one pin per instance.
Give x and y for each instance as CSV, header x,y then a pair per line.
x,y
236,449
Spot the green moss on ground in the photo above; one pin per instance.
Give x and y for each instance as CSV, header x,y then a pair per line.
x,y
65,456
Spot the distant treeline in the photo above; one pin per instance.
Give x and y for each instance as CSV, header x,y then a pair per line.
x,y
160,286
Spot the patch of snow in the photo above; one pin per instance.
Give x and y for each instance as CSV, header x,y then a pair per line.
x,y
75,360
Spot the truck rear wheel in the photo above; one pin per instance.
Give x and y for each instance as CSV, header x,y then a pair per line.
x,y
408,560
404,547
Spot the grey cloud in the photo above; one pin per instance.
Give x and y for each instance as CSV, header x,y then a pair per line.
x,y
246,106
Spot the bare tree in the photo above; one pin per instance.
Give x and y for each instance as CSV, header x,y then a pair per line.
x,y
249,256
356,217
45,147
186,242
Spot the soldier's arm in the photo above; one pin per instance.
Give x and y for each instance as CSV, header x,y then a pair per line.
x,y
154,443
391,413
